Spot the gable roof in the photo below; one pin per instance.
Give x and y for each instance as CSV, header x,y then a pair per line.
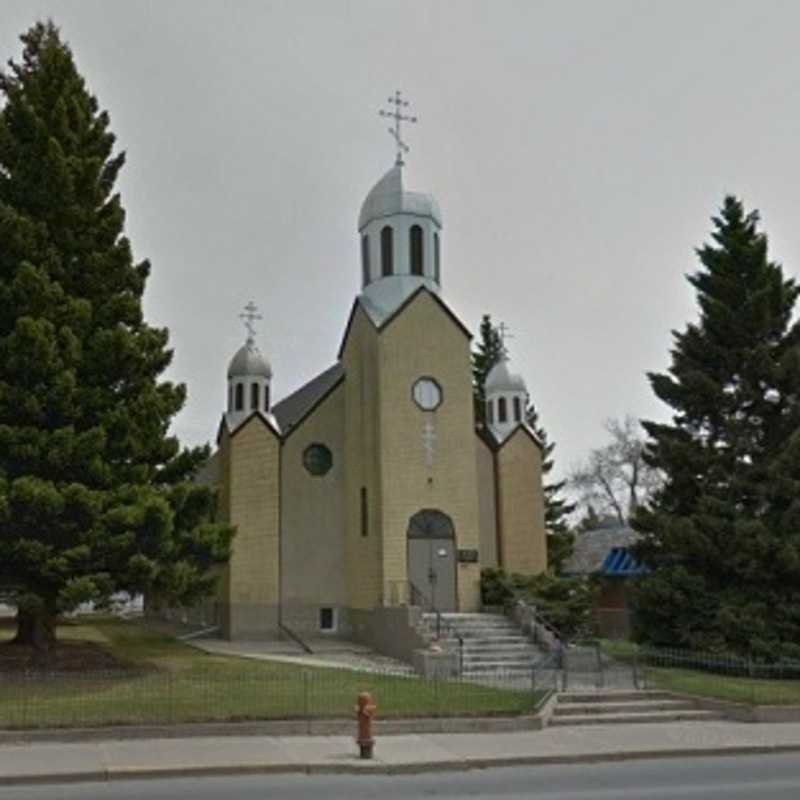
x,y
268,420
292,410
380,324
593,547
525,428
486,436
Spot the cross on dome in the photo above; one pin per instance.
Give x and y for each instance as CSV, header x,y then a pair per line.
x,y
250,315
398,117
504,331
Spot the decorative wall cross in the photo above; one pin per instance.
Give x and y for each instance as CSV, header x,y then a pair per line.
x,y
429,441
399,104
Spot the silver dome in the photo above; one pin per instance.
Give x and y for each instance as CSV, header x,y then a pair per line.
x,y
501,379
387,197
249,362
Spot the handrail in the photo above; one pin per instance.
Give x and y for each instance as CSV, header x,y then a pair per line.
x,y
292,635
539,620
440,623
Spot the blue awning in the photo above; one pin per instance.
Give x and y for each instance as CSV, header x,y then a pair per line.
x,y
620,563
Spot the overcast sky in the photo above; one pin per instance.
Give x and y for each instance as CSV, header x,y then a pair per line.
x,y
577,150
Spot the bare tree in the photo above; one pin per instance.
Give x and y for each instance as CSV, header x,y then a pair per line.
x,y
615,478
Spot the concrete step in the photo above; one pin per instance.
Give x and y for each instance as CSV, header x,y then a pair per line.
x,y
612,696
694,715
497,666
505,642
637,706
521,651
478,620
503,638
476,632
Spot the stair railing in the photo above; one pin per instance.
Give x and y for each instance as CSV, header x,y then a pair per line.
x,y
540,628
421,600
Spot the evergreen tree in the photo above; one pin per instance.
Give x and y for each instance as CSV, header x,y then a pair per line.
x,y
560,539
723,535
93,491
490,349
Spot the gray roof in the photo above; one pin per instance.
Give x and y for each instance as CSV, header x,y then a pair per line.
x,y
291,410
208,473
592,547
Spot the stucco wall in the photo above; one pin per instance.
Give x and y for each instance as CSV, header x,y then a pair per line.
x,y
313,561
523,546
250,461
487,509
423,340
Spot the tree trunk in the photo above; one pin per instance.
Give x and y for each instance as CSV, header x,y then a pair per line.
x,y
37,630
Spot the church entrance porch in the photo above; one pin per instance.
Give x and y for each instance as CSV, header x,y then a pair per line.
x,y
432,559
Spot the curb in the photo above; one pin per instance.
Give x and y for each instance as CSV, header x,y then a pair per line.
x,y
357,767
333,726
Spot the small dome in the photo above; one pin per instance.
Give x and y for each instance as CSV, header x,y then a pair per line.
x,y
501,379
387,197
249,362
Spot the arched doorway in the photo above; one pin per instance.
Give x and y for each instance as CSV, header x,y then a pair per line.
x,y
432,559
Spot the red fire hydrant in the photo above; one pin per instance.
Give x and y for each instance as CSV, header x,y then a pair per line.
x,y
365,711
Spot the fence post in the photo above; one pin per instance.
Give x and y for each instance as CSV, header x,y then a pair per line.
x,y
25,691
307,699
636,667
170,698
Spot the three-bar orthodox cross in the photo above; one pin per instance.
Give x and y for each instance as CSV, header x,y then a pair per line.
x,y
250,315
398,117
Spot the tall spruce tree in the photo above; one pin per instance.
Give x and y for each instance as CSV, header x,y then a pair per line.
x,y
489,350
93,491
723,534
560,539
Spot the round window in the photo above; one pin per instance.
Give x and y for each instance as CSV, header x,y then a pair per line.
x,y
427,394
317,459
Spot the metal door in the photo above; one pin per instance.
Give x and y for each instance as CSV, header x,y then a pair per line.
x,y
432,559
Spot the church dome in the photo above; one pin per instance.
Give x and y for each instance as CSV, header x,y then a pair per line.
x,y
249,362
501,379
387,198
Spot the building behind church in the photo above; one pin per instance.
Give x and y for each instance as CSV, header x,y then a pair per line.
x,y
370,490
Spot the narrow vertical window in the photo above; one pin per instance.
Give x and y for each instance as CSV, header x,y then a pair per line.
x,y
517,410
416,250
266,398
254,396
502,411
364,512
387,247
239,405
437,275
364,260
230,398
490,412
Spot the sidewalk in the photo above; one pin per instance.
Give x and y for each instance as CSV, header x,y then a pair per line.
x,y
136,758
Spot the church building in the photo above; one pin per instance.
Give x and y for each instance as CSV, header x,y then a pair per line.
x,y
370,488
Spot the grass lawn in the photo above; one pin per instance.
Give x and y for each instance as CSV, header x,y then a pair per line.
x,y
724,687
753,691
169,681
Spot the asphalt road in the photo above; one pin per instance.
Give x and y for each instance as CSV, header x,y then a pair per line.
x,y
772,777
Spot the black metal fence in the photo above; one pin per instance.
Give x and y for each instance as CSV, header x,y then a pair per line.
x,y
274,692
